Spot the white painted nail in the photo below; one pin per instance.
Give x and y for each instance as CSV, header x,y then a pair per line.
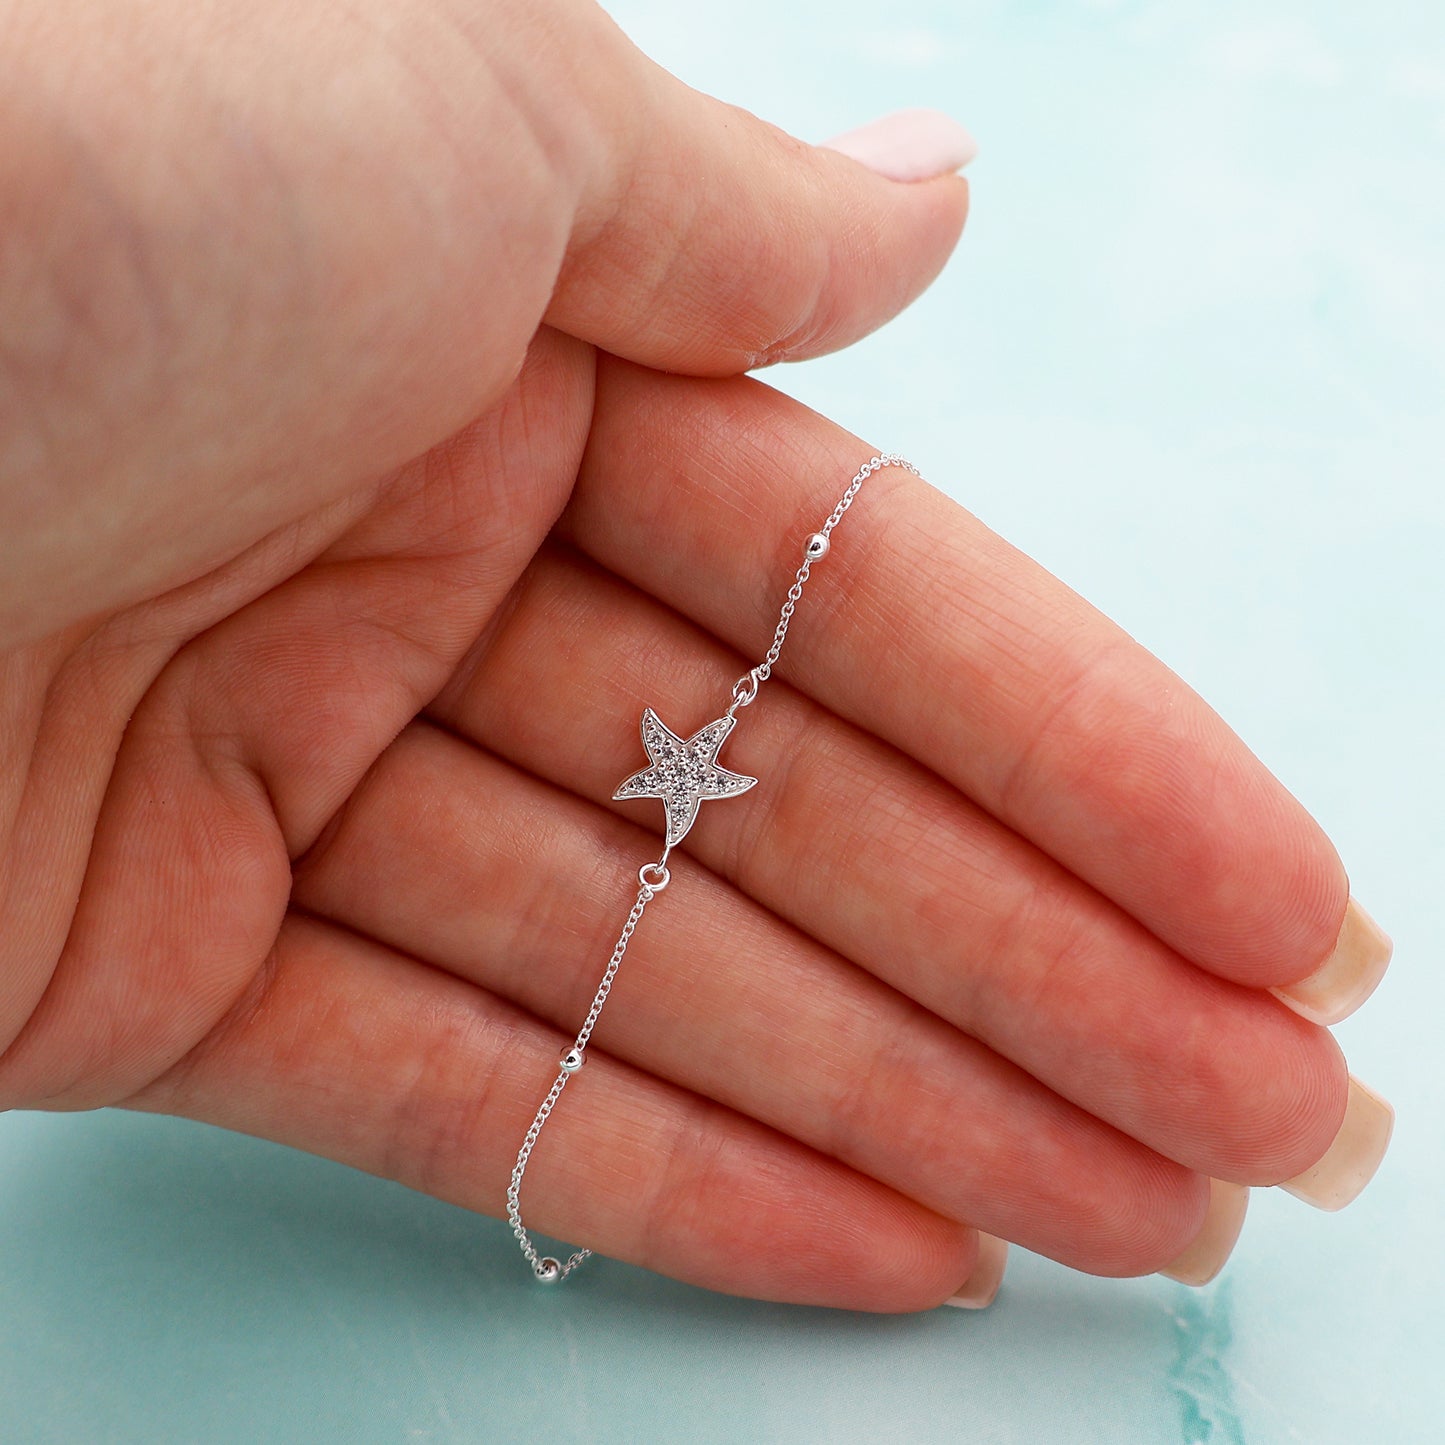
x,y
1206,1253
1347,977
979,1290
909,145
1350,1162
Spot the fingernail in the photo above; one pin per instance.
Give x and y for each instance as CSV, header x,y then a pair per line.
x,y
1347,977
909,145
978,1290
1350,1162
1205,1255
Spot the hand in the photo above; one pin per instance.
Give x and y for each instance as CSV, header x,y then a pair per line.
x,y
896,992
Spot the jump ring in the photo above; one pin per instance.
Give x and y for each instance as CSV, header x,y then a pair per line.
x,y
745,689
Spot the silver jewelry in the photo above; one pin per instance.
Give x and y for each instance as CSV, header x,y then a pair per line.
x,y
683,773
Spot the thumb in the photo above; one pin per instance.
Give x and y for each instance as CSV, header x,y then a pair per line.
x,y
708,241
251,265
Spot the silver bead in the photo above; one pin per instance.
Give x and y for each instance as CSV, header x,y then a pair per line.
x,y
816,547
571,1061
549,1271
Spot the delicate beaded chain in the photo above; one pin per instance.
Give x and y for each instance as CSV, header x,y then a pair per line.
x,y
682,772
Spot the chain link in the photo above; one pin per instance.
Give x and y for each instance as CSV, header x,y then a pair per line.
x,y
549,1269
764,669
652,879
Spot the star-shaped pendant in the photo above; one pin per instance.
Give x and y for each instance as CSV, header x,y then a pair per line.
x,y
682,773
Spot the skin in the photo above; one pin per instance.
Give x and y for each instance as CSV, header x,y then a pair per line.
x,y
374,447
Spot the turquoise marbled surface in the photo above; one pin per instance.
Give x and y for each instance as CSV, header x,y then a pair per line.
x,y
1191,356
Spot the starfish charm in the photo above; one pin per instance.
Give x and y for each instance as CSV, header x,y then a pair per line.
x,y
682,773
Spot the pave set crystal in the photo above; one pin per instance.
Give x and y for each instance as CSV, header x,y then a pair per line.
x,y
683,772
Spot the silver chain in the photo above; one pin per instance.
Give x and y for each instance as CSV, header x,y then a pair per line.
x,y
549,1269
652,878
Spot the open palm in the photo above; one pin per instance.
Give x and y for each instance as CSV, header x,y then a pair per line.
x,y
310,721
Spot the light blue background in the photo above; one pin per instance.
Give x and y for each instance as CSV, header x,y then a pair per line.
x,y
1190,356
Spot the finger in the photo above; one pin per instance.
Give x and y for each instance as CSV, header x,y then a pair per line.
x,y
860,847
711,242
354,1052
308,248
472,865
934,634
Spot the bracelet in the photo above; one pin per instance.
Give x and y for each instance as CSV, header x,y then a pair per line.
x,y
682,773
